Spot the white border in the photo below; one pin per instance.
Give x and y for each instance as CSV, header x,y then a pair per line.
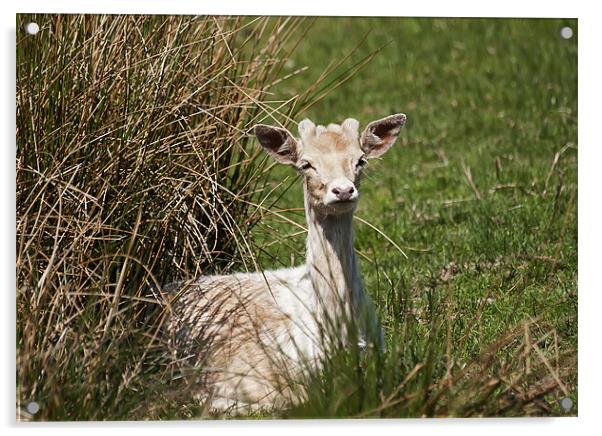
x,y
589,199
507,8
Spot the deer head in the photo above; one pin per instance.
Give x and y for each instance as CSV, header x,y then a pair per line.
x,y
330,159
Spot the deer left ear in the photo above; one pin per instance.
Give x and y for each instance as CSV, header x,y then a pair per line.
x,y
279,143
380,135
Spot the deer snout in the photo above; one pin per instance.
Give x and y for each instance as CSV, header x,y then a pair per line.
x,y
343,193
342,190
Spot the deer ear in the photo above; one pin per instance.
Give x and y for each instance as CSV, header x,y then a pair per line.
x,y
279,143
380,135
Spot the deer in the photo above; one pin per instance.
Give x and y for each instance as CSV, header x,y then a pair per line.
x,y
253,333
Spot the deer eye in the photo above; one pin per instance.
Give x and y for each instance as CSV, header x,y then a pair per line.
x,y
306,166
360,163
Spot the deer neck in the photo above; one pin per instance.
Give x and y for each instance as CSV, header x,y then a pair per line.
x,y
331,261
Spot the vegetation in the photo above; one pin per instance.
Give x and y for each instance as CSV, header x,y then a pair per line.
x,y
480,194
134,167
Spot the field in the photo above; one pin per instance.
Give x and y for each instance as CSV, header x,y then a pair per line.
x,y
481,191
466,230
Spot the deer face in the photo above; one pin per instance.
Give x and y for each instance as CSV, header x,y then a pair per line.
x,y
331,159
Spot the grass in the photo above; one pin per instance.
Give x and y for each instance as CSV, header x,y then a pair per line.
x,y
479,193
133,170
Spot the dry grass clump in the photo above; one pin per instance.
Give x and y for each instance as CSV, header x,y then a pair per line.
x,y
134,168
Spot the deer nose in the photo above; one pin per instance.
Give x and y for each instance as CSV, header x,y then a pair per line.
x,y
343,193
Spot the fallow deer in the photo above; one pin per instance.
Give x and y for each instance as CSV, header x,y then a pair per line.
x,y
252,333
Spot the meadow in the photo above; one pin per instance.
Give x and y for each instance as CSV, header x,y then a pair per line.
x,y
466,229
477,202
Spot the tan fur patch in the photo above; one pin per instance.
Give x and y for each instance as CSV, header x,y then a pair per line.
x,y
332,141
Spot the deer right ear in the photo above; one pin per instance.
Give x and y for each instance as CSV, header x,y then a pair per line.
x,y
380,135
279,143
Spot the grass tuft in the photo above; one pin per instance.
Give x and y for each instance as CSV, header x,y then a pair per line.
x,y
134,169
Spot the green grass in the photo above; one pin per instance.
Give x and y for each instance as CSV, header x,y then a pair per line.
x,y
494,101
